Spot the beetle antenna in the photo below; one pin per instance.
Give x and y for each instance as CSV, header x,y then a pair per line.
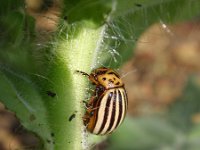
x,y
128,73
83,73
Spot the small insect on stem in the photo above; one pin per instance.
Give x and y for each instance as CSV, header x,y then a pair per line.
x,y
50,93
108,104
72,117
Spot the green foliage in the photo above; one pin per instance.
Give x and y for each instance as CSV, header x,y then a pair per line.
x,y
133,17
186,106
30,73
22,96
94,11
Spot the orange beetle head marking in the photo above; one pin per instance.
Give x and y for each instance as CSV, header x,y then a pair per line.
x,y
106,77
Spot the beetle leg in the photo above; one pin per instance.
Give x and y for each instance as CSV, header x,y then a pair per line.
x,y
86,119
90,90
90,103
94,108
86,105
83,73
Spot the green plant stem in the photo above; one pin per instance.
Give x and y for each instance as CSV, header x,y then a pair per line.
x,y
77,52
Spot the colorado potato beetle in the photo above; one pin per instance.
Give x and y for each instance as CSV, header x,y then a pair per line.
x,y
107,107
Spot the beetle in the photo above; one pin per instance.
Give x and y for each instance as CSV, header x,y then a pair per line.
x,y
108,105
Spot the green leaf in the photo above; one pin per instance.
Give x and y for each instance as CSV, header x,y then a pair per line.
x,y
187,105
142,133
95,11
21,96
193,137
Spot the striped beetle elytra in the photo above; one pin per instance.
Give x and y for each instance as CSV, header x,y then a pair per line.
x,y
107,107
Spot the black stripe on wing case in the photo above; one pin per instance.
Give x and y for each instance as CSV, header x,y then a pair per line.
x,y
120,108
112,120
105,117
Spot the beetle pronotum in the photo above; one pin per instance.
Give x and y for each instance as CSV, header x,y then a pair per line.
x,y
107,107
